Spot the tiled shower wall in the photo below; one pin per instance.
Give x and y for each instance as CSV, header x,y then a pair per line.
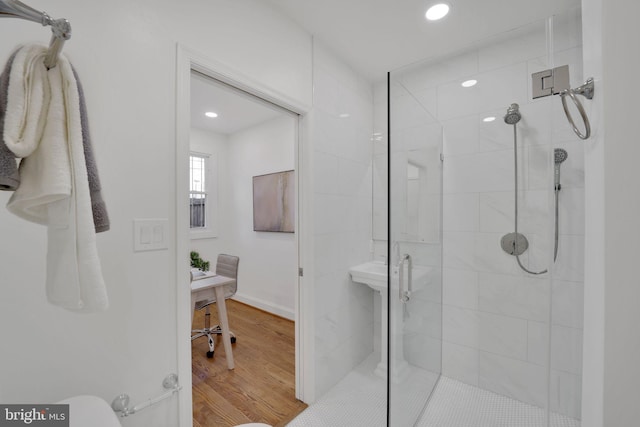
x,y
341,123
495,317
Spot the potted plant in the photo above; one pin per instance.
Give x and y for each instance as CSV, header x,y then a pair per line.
x,y
199,263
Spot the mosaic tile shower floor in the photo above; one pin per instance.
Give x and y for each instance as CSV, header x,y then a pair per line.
x,y
359,400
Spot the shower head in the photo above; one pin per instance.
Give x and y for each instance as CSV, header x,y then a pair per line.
x,y
559,155
513,115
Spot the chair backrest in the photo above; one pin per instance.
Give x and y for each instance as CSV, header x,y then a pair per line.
x,y
227,265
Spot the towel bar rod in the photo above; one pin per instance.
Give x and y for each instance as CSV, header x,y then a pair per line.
x,y
121,402
60,28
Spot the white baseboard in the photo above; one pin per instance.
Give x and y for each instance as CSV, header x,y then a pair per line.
x,y
267,306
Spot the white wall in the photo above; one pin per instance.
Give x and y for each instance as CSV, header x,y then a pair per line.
x,y
618,151
342,217
611,372
125,54
268,261
595,226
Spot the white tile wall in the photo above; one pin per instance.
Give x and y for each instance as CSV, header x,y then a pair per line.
x,y
494,135
506,336
420,351
495,318
430,74
566,393
538,343
515,46
460,362
342,200
462,288
567,307
567,349
461,136
517,297
460,326
570,263
461,212
459,251
423,317
510,377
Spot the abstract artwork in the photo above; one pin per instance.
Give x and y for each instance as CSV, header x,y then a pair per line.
x,y
274,202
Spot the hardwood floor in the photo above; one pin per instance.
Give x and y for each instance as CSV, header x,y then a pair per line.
x,y
261,388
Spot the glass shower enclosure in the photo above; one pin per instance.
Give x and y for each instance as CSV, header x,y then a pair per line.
x,y
473,338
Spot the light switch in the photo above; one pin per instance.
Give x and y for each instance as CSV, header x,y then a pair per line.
x,y
158,234
149,234
145,234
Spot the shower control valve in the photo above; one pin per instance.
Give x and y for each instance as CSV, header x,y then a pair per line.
x,y
514,244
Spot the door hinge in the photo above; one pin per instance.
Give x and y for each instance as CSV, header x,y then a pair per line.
x,y
550,82
300,271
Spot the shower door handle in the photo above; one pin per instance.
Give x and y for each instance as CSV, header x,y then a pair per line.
x,y
401,279
403,295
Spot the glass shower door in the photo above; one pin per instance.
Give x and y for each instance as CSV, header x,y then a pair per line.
x,y
415,248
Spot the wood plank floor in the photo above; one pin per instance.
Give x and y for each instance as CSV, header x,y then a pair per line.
x,y
261,388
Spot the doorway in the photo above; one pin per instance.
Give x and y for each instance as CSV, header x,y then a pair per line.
x,y
251,136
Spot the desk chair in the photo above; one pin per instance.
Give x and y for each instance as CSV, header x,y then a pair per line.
x,y
226,265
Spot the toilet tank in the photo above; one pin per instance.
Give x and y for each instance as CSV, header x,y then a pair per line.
x,y
85,411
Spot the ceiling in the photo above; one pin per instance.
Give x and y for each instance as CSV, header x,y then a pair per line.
x,y
236,110
377,36
373,37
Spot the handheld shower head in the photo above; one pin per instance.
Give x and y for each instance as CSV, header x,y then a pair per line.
x,y
513,115
559,156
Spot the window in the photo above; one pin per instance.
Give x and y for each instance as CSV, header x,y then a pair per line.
x,y
198,190
202,195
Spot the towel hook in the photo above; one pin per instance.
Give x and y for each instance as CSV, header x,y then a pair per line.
x,y
60,28
60,32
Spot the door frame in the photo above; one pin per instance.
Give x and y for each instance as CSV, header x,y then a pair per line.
x,y
188,59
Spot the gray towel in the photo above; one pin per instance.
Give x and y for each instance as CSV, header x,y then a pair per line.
x,y
99,208
9,176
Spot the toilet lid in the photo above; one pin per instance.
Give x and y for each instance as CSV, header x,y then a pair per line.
x,y
90,411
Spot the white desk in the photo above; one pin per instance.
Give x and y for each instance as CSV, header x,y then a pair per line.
x,y
207,287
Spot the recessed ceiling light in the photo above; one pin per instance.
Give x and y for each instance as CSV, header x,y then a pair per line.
x,y
211,114
469,83
488,119
437,11
344,115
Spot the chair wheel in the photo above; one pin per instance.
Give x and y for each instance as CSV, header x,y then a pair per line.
x,y
210,354
233,340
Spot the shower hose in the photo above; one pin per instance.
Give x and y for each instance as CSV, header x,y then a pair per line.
x,y
556,190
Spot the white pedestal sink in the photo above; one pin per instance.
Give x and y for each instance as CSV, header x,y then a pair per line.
x,y
374,274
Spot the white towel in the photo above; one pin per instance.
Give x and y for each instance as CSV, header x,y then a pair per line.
x,y
43,125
